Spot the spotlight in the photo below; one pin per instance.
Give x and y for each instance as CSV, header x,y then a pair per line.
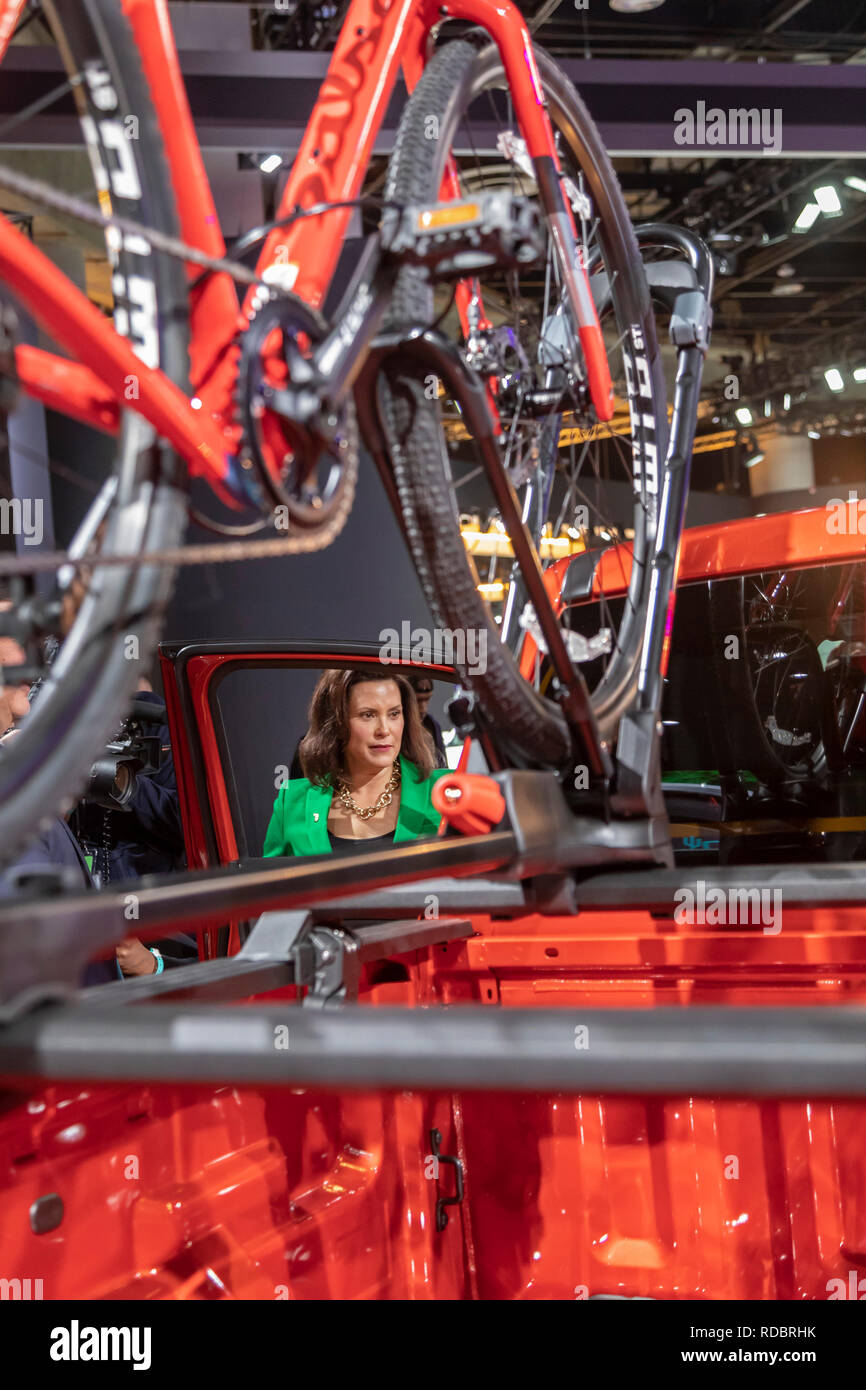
x,y
811,212
268,163
834,379
785,282
859,373
813,434
768,408
854,182
828,200
786,402
744,415
754,453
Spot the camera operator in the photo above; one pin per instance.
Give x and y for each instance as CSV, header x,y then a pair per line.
x,y
129,823
54,850
129,819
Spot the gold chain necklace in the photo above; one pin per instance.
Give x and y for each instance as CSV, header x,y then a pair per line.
x,y
365,812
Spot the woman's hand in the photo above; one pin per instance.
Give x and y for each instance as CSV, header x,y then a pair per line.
x,y
134,958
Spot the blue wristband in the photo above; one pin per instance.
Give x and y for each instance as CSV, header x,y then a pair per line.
x,y
160,963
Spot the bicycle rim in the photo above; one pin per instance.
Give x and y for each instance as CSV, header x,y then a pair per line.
x,y
577,473
116,612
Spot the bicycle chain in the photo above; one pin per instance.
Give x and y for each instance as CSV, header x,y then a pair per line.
x,y
215,554
38,192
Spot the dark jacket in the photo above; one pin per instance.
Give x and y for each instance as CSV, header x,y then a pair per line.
x,y
434,729
56,847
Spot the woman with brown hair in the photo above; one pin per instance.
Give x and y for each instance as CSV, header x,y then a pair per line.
x,y
369,770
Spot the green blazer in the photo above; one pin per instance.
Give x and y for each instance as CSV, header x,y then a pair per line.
x,y
299,824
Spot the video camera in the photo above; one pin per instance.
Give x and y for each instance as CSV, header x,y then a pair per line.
x,y
132,751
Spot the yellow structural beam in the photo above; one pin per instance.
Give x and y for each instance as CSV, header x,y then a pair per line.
x,y
488,543
620,425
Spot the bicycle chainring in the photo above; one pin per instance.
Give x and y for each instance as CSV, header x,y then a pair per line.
x,y
296,450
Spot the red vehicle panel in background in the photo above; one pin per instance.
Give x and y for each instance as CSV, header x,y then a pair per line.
x,y
797,539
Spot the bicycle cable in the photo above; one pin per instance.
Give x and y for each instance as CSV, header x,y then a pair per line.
x,y
239,549
45,196
38,192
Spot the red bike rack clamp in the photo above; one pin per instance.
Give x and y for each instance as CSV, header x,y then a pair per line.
x,y
469,802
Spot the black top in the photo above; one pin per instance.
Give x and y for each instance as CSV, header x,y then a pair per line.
x,y
434,729
341,844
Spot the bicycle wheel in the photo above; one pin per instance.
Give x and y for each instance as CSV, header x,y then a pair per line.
x,y
780,717
112,614
604,482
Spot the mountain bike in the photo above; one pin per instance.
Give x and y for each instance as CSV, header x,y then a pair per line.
x,y
506,293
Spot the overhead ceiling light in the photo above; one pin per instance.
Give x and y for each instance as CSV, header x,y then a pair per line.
x,y
828,200
811,212
634,6
859,373
834,379
725,238
269,162
744,415
786,271
768,408
854,182
786,288
813,434
786,402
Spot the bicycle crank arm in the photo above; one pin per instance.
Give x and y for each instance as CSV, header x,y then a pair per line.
x,y
338,359
319,386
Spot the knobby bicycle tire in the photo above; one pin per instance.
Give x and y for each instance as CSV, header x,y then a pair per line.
x,y
532,724
44,767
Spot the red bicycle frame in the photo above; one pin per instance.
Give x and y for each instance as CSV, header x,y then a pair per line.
x,y
377,39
